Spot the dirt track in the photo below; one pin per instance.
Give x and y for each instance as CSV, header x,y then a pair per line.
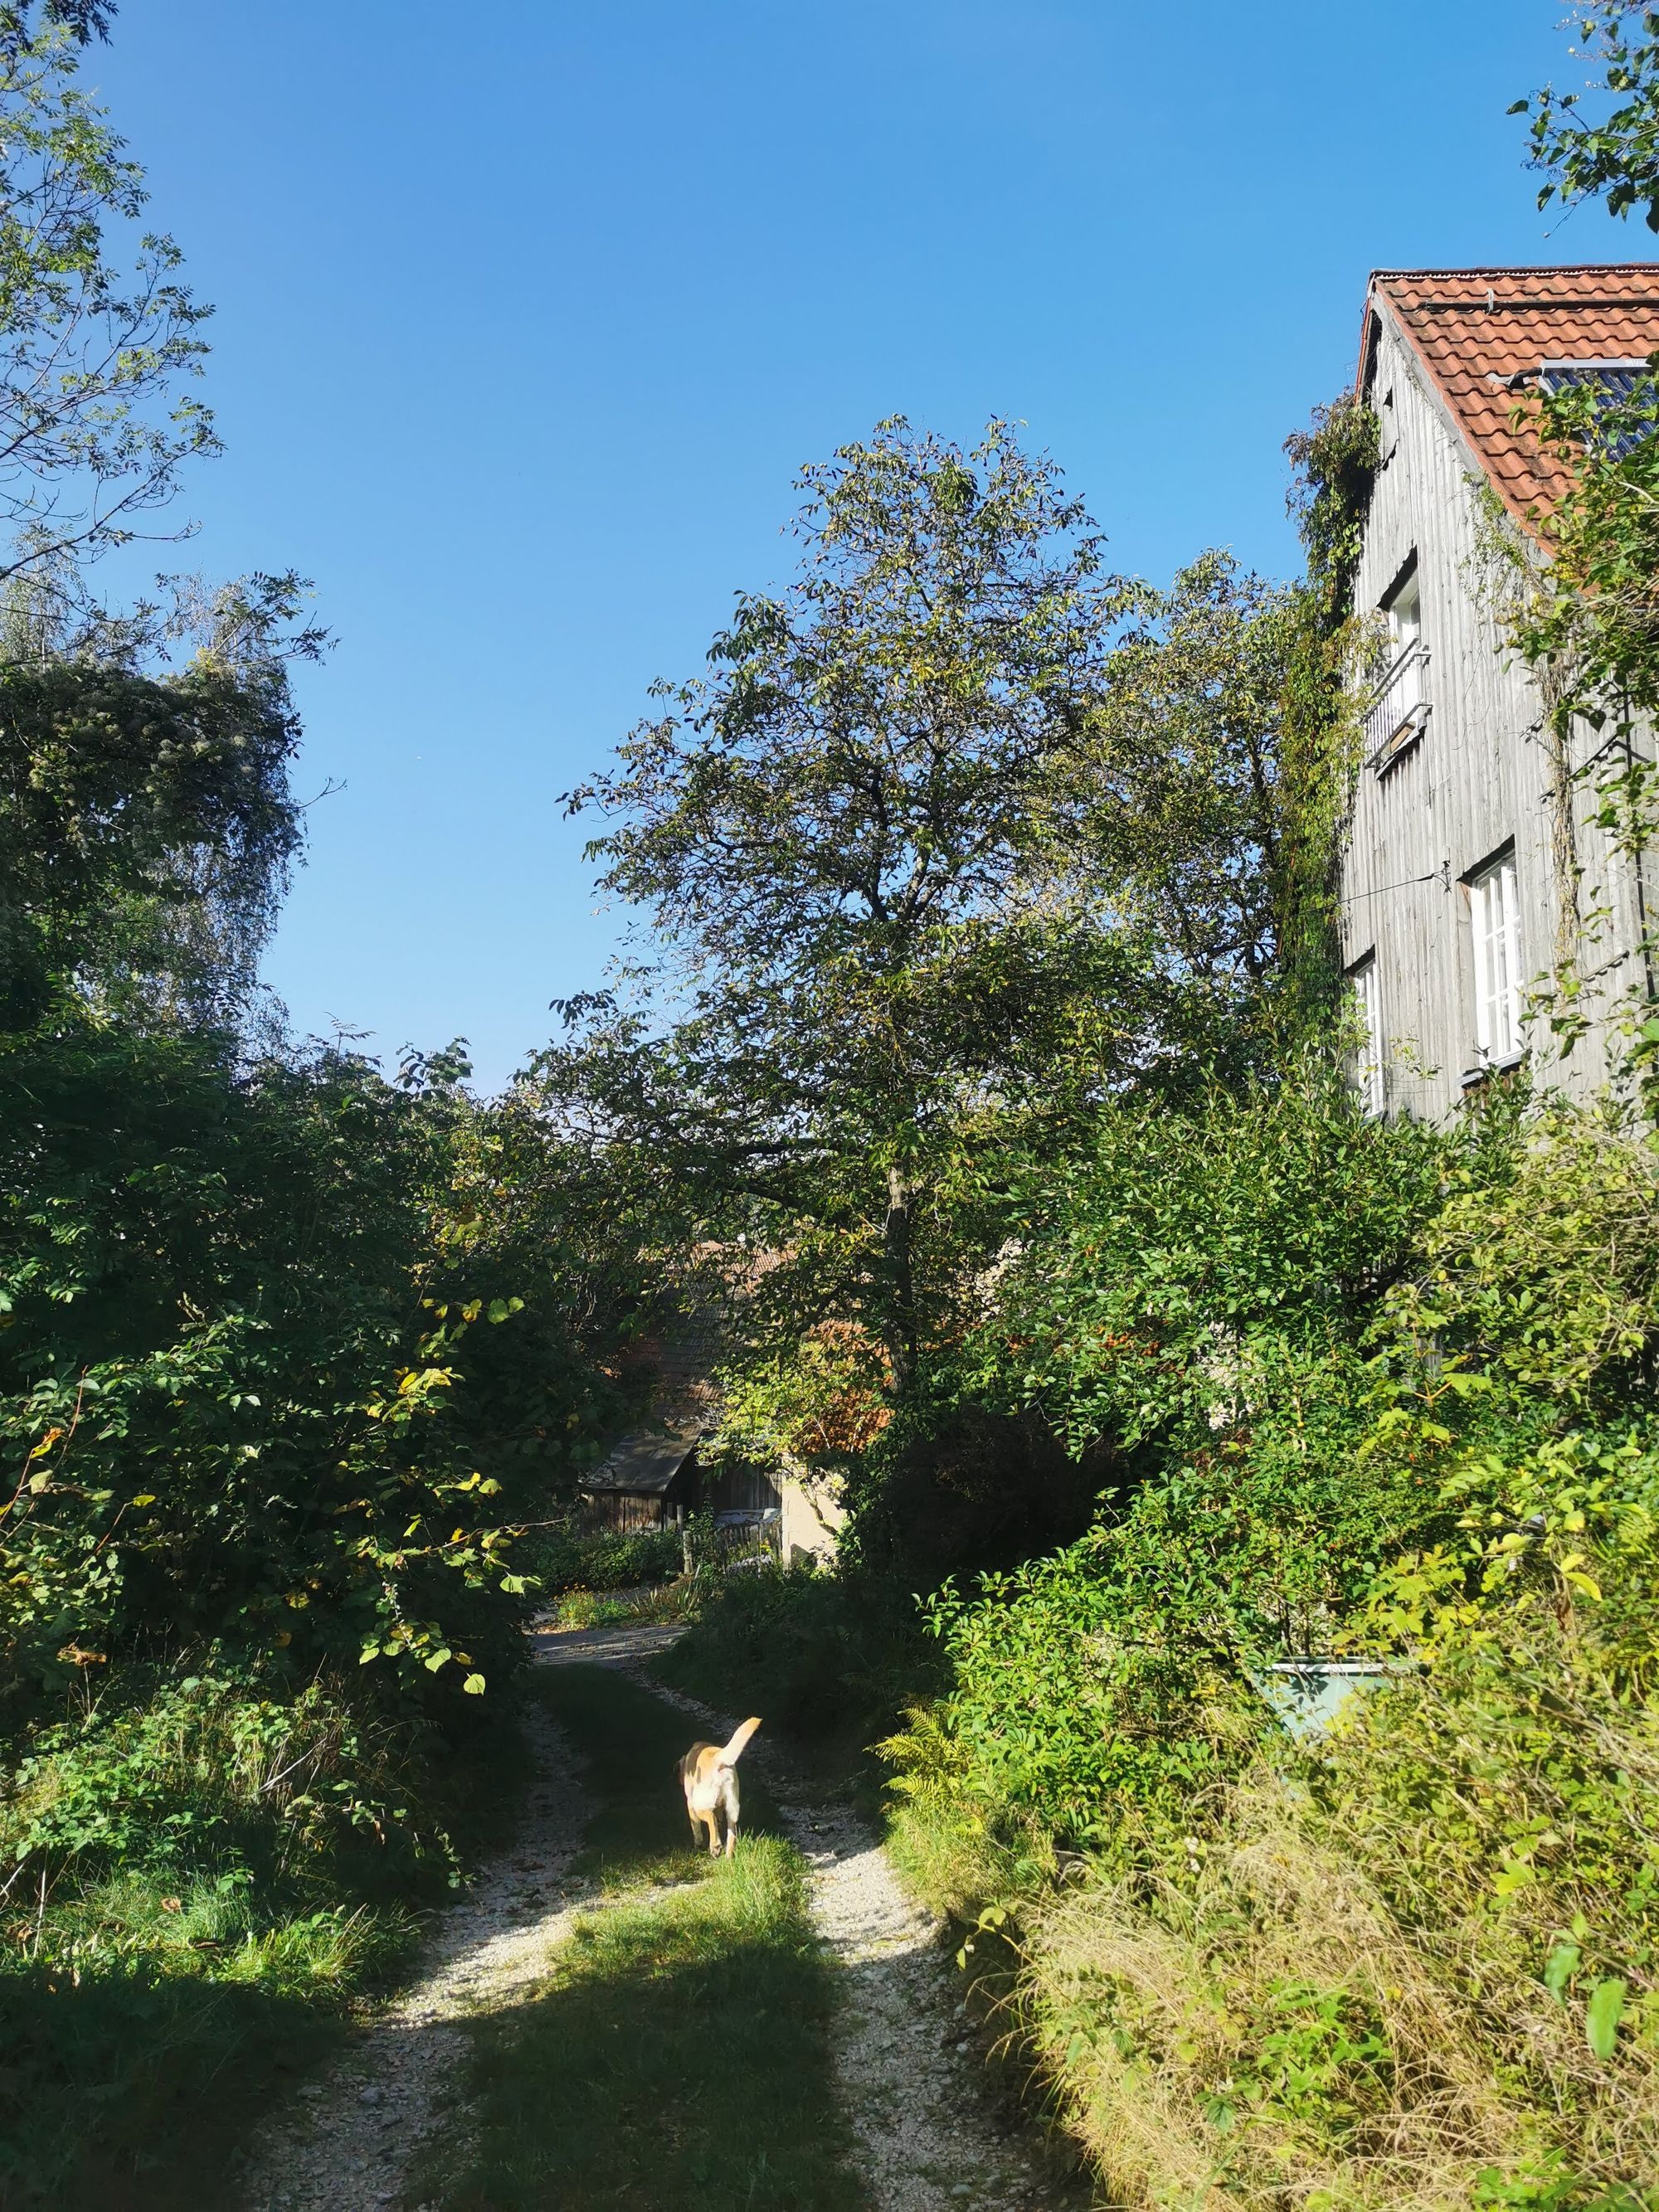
x,y
908,2067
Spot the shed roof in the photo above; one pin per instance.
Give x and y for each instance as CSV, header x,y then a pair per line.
x,y
1478,331
642,1465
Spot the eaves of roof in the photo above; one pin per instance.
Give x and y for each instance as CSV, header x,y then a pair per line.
x,y
643,1465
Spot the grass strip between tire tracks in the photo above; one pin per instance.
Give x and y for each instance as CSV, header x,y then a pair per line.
x,y
678,2052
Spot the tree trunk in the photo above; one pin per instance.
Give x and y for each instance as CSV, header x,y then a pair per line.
x,y
899,1331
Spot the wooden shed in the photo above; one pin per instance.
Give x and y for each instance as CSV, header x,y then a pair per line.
x,y
648,1480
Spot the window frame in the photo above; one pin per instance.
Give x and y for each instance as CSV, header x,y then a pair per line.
x,y
1370,1072
1400,705
1493,893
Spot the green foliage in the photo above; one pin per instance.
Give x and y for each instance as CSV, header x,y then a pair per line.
x,y
94,366
1183,1251
206,1775
1199,1293
570,1557
146,822
1612,155
1411,1964
958,834
1336,467
198,1876
215,1385
286,1347
823,1655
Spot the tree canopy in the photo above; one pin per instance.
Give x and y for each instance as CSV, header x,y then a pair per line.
x,y
960,831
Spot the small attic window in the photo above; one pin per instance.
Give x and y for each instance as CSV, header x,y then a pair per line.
x,y
1403,609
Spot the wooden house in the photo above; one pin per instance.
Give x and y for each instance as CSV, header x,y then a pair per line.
x,y
654,1476
647,1481
1473,870
655,1479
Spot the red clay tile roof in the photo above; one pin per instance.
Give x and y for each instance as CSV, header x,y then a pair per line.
x,y
1474,328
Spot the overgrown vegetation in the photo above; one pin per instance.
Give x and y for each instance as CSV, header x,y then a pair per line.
x,y
286,1345
986,1078
1375,1393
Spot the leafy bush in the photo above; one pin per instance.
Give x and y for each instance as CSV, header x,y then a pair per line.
x,y
1165,1273
570,1558
208,1772
1414,1964
819,1655
195,1885
1417,1970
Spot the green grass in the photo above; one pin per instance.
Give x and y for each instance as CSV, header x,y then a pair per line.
x,y
655,1601
139,2042
678,2053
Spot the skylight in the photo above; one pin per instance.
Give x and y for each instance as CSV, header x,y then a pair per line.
x,y
1616,387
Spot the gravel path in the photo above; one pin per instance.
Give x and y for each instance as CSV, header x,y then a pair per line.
x,y
910,2067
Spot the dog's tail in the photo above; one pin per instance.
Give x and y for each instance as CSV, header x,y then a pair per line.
x,y
734,1750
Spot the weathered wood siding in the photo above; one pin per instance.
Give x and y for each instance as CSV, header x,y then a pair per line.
x,y
1481,776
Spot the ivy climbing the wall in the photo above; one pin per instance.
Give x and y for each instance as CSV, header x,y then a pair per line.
x,y
1334,461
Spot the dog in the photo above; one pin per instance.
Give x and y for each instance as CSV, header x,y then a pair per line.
x,y
708,1775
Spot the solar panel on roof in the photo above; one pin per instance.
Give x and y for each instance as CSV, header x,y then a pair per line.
x,y
1623,389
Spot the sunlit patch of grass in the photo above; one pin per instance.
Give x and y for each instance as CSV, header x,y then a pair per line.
x,y
663,1603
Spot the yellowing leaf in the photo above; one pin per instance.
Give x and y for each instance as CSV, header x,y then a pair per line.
x,y
474,1686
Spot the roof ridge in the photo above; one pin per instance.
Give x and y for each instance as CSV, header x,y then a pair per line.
x,y
1528,269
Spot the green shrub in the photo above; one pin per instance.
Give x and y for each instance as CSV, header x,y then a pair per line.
x,y
198,1877
570,1557
819,1655
1415,1968
210,1772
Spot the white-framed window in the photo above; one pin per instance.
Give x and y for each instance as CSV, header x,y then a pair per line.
x,y
1495,930
1405,613
1369,1055
1399,706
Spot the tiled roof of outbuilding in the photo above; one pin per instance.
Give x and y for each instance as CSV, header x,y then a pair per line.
x,y
1475,330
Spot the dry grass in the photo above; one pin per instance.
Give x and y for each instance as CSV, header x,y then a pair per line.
x,y
1321,2006
1257,2031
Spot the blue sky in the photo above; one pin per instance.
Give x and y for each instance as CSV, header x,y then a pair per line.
x,y
528,315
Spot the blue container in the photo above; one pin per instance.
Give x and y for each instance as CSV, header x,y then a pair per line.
x,y
1306,1694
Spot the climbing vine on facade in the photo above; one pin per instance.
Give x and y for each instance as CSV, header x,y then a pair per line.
x,y
1335,462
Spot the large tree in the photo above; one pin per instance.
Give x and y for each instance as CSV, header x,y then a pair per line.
x,y
96,360
893,893
147,822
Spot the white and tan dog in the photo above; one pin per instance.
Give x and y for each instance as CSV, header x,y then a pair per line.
x,y
708,1773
